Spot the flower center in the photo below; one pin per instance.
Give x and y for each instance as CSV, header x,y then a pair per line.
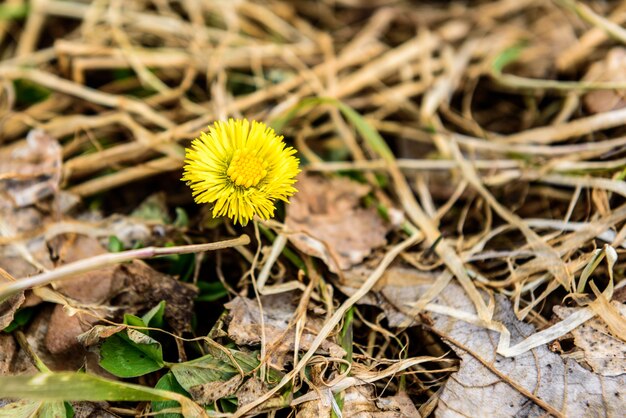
x,y
246,169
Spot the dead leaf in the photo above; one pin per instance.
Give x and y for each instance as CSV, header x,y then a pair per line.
x,y
98,333
91,410
30,170
36,331
250,391
9,306
212,391
278,310
612,68
564,385
7,353
400,403
93,288
139,287
603,352
361,402
330,223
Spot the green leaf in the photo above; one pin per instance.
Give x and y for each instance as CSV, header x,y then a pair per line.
x,y
154,317
21,318
13,11
218,367
134,321
203,370
211,291
182,219
67,386
115,244
28,92
506,57
168,382
131,354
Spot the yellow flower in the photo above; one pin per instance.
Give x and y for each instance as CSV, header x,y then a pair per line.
x,y
242,168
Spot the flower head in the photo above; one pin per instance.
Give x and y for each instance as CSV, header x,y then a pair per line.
x,y
242,168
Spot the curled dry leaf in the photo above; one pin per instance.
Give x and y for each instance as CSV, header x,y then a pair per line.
x,y
330,223
31,170
278,310
603,352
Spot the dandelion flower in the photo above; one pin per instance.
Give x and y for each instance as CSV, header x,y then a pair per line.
x,y
242,168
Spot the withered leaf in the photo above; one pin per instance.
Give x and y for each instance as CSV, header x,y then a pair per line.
x,y
330,222
278,310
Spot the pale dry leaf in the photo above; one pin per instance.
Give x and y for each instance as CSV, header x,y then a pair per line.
x,y
612,68
476,391
30,170
330,223
278,310
603,352
361,402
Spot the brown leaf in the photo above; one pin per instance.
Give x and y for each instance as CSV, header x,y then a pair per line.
x,y
98,333
251,390
36,332
278,310
603,352
330,223
139,287
64,329
9,306
210,392
7,353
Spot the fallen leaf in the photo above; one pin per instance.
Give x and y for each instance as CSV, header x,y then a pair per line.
x,y
603,352
91,410
564,385
361,402
245,327
209,392
251,390
36,332
9,306
329,222
138,287
7,353
30,170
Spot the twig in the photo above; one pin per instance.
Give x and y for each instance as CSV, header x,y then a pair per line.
x,y
98,261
